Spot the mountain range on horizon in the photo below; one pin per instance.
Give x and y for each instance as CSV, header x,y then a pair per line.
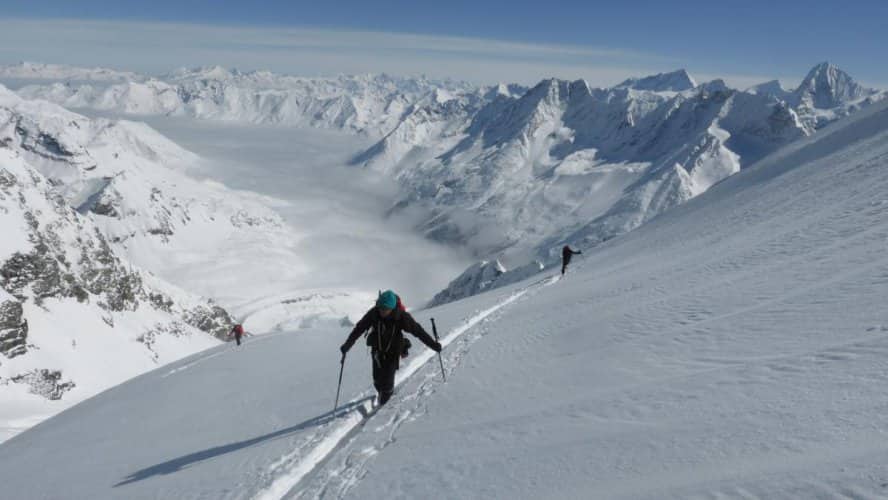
x,y
508,171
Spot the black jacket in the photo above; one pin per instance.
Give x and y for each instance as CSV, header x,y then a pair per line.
x,y
386,334
567,252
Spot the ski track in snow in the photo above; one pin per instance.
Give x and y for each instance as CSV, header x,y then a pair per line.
x,y
324,465
224,350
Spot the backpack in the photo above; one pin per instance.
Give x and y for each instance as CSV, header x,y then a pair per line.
x,y
401,307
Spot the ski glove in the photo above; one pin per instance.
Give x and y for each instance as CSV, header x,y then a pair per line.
x,y
436,347
344,348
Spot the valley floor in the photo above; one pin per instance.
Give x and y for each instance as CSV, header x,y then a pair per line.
x,y
337,212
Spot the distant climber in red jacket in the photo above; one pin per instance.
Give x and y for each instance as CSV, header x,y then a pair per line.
x,y
238,332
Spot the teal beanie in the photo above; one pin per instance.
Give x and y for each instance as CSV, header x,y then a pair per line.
x,y
387,300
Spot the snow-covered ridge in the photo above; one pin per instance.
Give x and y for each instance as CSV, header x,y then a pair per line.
x,y
370,104
676,81
481,277
40,71
772,87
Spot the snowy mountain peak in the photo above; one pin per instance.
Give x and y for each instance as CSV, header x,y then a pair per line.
x,y
825,67
554,90
675,81
205,73
717,85
548,87
504,90
827,86
773,88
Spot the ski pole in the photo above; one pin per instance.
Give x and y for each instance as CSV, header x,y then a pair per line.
x,y
435,331
338,386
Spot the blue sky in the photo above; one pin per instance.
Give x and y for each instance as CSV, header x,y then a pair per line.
x,y
738,40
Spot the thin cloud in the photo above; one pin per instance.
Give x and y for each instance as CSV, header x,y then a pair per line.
x,y
154,47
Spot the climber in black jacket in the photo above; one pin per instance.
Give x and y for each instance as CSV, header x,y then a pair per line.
x,y
387,321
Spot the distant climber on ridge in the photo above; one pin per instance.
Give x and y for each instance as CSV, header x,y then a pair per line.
x,y
566,254
237,331
387,321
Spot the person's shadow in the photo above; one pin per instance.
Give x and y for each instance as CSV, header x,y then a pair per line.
x,y
177,464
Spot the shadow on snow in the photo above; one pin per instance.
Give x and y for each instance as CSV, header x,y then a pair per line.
x,y
177,464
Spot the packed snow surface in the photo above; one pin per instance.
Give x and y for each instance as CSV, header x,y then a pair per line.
x,y
736,346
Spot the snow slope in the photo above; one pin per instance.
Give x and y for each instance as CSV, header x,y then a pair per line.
x,y
732,347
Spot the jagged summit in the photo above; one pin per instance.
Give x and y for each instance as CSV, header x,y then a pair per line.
x,y
215,72
675,81
717,85
556,89
772,87
827,86
504,90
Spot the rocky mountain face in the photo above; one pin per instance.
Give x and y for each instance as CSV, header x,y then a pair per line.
x,y
59,274
88,206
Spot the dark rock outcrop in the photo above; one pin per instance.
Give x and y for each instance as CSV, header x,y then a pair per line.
x,y
46,383
13,329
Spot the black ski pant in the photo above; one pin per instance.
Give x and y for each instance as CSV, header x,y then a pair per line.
x,y
384,369
237,338
564,262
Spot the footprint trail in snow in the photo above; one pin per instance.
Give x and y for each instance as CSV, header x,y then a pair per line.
x,y
327,464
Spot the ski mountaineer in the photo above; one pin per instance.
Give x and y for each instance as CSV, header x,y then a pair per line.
x,y
566,254
238,332
386,321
